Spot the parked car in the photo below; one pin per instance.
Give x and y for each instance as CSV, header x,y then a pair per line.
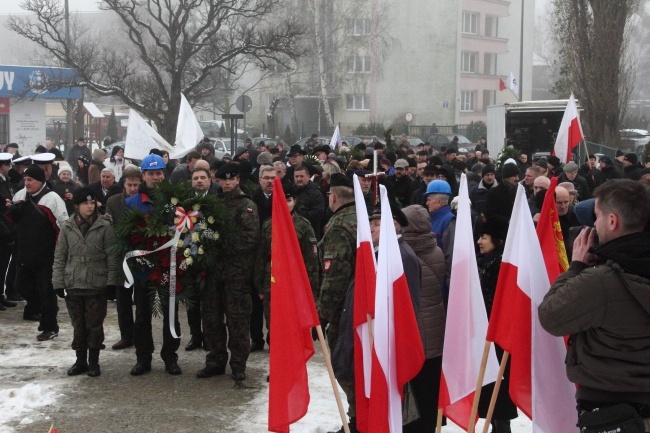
x,y
320,139
633,139
437,141
221,147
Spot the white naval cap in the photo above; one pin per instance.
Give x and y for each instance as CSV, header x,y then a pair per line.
x,y
23,160
43,158
5,157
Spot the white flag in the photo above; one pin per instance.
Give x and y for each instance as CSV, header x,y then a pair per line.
x,y
336,141
188,130
513,84
141,138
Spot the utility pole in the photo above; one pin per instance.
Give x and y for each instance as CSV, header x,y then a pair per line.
x,y
521,55
69,131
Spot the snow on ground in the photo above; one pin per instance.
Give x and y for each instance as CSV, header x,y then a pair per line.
x,y
322,415
23,402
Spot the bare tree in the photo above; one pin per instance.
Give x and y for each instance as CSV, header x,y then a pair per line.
x,y
162,48
593,38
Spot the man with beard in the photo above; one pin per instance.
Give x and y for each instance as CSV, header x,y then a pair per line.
x,y
400,182
602,303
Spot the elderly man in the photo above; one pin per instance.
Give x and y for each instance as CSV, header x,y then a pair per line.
x,y
601,302
105,188
541,183
579,183
38,213
565,211
262,198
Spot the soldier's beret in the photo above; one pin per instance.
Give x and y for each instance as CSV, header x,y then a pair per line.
x,y
339,179
84,194
227,171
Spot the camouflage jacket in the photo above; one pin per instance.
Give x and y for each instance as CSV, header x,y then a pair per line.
x,y
337,252
308,247
238,260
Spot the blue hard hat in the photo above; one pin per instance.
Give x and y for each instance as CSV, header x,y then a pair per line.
x,y
152,162
438,187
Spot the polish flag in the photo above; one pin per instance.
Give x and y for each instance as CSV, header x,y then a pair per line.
x,y
398,355
570,133
502,85
466,326
365,280
539,388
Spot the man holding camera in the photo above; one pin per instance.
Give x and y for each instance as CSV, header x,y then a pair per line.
x,y
603,302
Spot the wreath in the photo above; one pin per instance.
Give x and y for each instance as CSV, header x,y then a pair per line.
x,y
205,232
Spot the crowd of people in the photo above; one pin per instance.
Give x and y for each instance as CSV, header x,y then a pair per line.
x,y
57,219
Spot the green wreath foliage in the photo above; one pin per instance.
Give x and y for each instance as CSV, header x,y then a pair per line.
x,y
198,250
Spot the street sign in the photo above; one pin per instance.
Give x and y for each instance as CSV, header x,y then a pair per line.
x,y
409,117
244,103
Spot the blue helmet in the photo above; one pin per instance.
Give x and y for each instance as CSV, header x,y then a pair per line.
x,y
438,187
152,162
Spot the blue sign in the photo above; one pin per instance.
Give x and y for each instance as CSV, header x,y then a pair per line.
x,y
38,82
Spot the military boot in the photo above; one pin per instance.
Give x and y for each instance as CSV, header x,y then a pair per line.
x,y
93,363
81,366
500,426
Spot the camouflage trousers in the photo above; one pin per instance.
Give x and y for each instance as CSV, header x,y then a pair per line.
x,y
230,300
346,386
87,314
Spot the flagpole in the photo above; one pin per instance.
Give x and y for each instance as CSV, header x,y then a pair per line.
x,y
479,385
497,385
330,371
439,421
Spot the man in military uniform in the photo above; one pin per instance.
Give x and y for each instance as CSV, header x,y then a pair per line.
x,y
337,252
308,247
232,295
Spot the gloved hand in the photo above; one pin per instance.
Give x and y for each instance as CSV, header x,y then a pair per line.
x,y
111,292
60,293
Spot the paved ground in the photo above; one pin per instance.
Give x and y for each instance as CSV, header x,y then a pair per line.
x,y
117,401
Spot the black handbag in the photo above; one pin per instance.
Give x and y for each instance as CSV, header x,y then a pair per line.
x,y
618,418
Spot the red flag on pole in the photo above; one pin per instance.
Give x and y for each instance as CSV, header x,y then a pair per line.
x,y
550,235
293,314
398,355
365,277
538,384
502,85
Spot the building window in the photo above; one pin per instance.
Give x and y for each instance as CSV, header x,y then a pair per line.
x,y
358,27
358,64
489,64
468,61
489,98
4,128
491,26
470,22
357,101
467,100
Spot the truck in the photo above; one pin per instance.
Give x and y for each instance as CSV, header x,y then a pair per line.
x,y
529,126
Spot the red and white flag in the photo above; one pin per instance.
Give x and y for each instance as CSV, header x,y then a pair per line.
x,y
293,314
539,388
466,325
502,85
336,141
570,133
397,351
365,280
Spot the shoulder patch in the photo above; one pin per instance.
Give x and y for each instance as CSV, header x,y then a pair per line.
x,y
327,264
249,210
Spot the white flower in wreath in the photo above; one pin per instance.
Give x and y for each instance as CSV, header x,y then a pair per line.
x,y
196,207
201,250
211,219
186,253
174,201
216,236
189,261
195,237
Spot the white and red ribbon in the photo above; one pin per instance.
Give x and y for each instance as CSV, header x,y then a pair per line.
x,y
185,219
